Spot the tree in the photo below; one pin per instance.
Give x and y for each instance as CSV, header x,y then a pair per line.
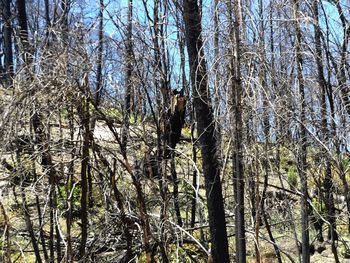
x,y
328,180
128,75
305,243
23,28
206,131
237,135
7,32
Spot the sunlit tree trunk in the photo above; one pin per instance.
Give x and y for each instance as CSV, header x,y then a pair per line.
x,y
128,75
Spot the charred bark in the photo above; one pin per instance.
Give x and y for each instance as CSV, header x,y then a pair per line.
x,y
301,158
7,34
206,130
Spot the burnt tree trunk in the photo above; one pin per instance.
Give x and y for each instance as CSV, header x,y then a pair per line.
x,y
206,129
302,166
128,75
85,118
328,180
237,133
194,179
7,32
23,29
341,70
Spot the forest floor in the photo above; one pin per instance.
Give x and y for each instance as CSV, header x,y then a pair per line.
x,y
281,217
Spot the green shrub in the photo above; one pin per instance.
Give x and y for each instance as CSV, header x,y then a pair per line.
x,y
292,177
319,205
112,113
61,202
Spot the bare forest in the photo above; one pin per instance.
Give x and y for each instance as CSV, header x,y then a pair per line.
x,y
209,131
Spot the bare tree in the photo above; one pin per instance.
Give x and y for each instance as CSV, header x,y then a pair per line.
x,y
7,43
206,131
305,243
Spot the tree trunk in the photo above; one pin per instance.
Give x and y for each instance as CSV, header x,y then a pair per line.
x,y
129,66
98,92
236,119
6,255
217,93
341,74
23,29
328,181
85,121
175,189
69,188
205,126
64,23
29,226
194,180
7,34
305,242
